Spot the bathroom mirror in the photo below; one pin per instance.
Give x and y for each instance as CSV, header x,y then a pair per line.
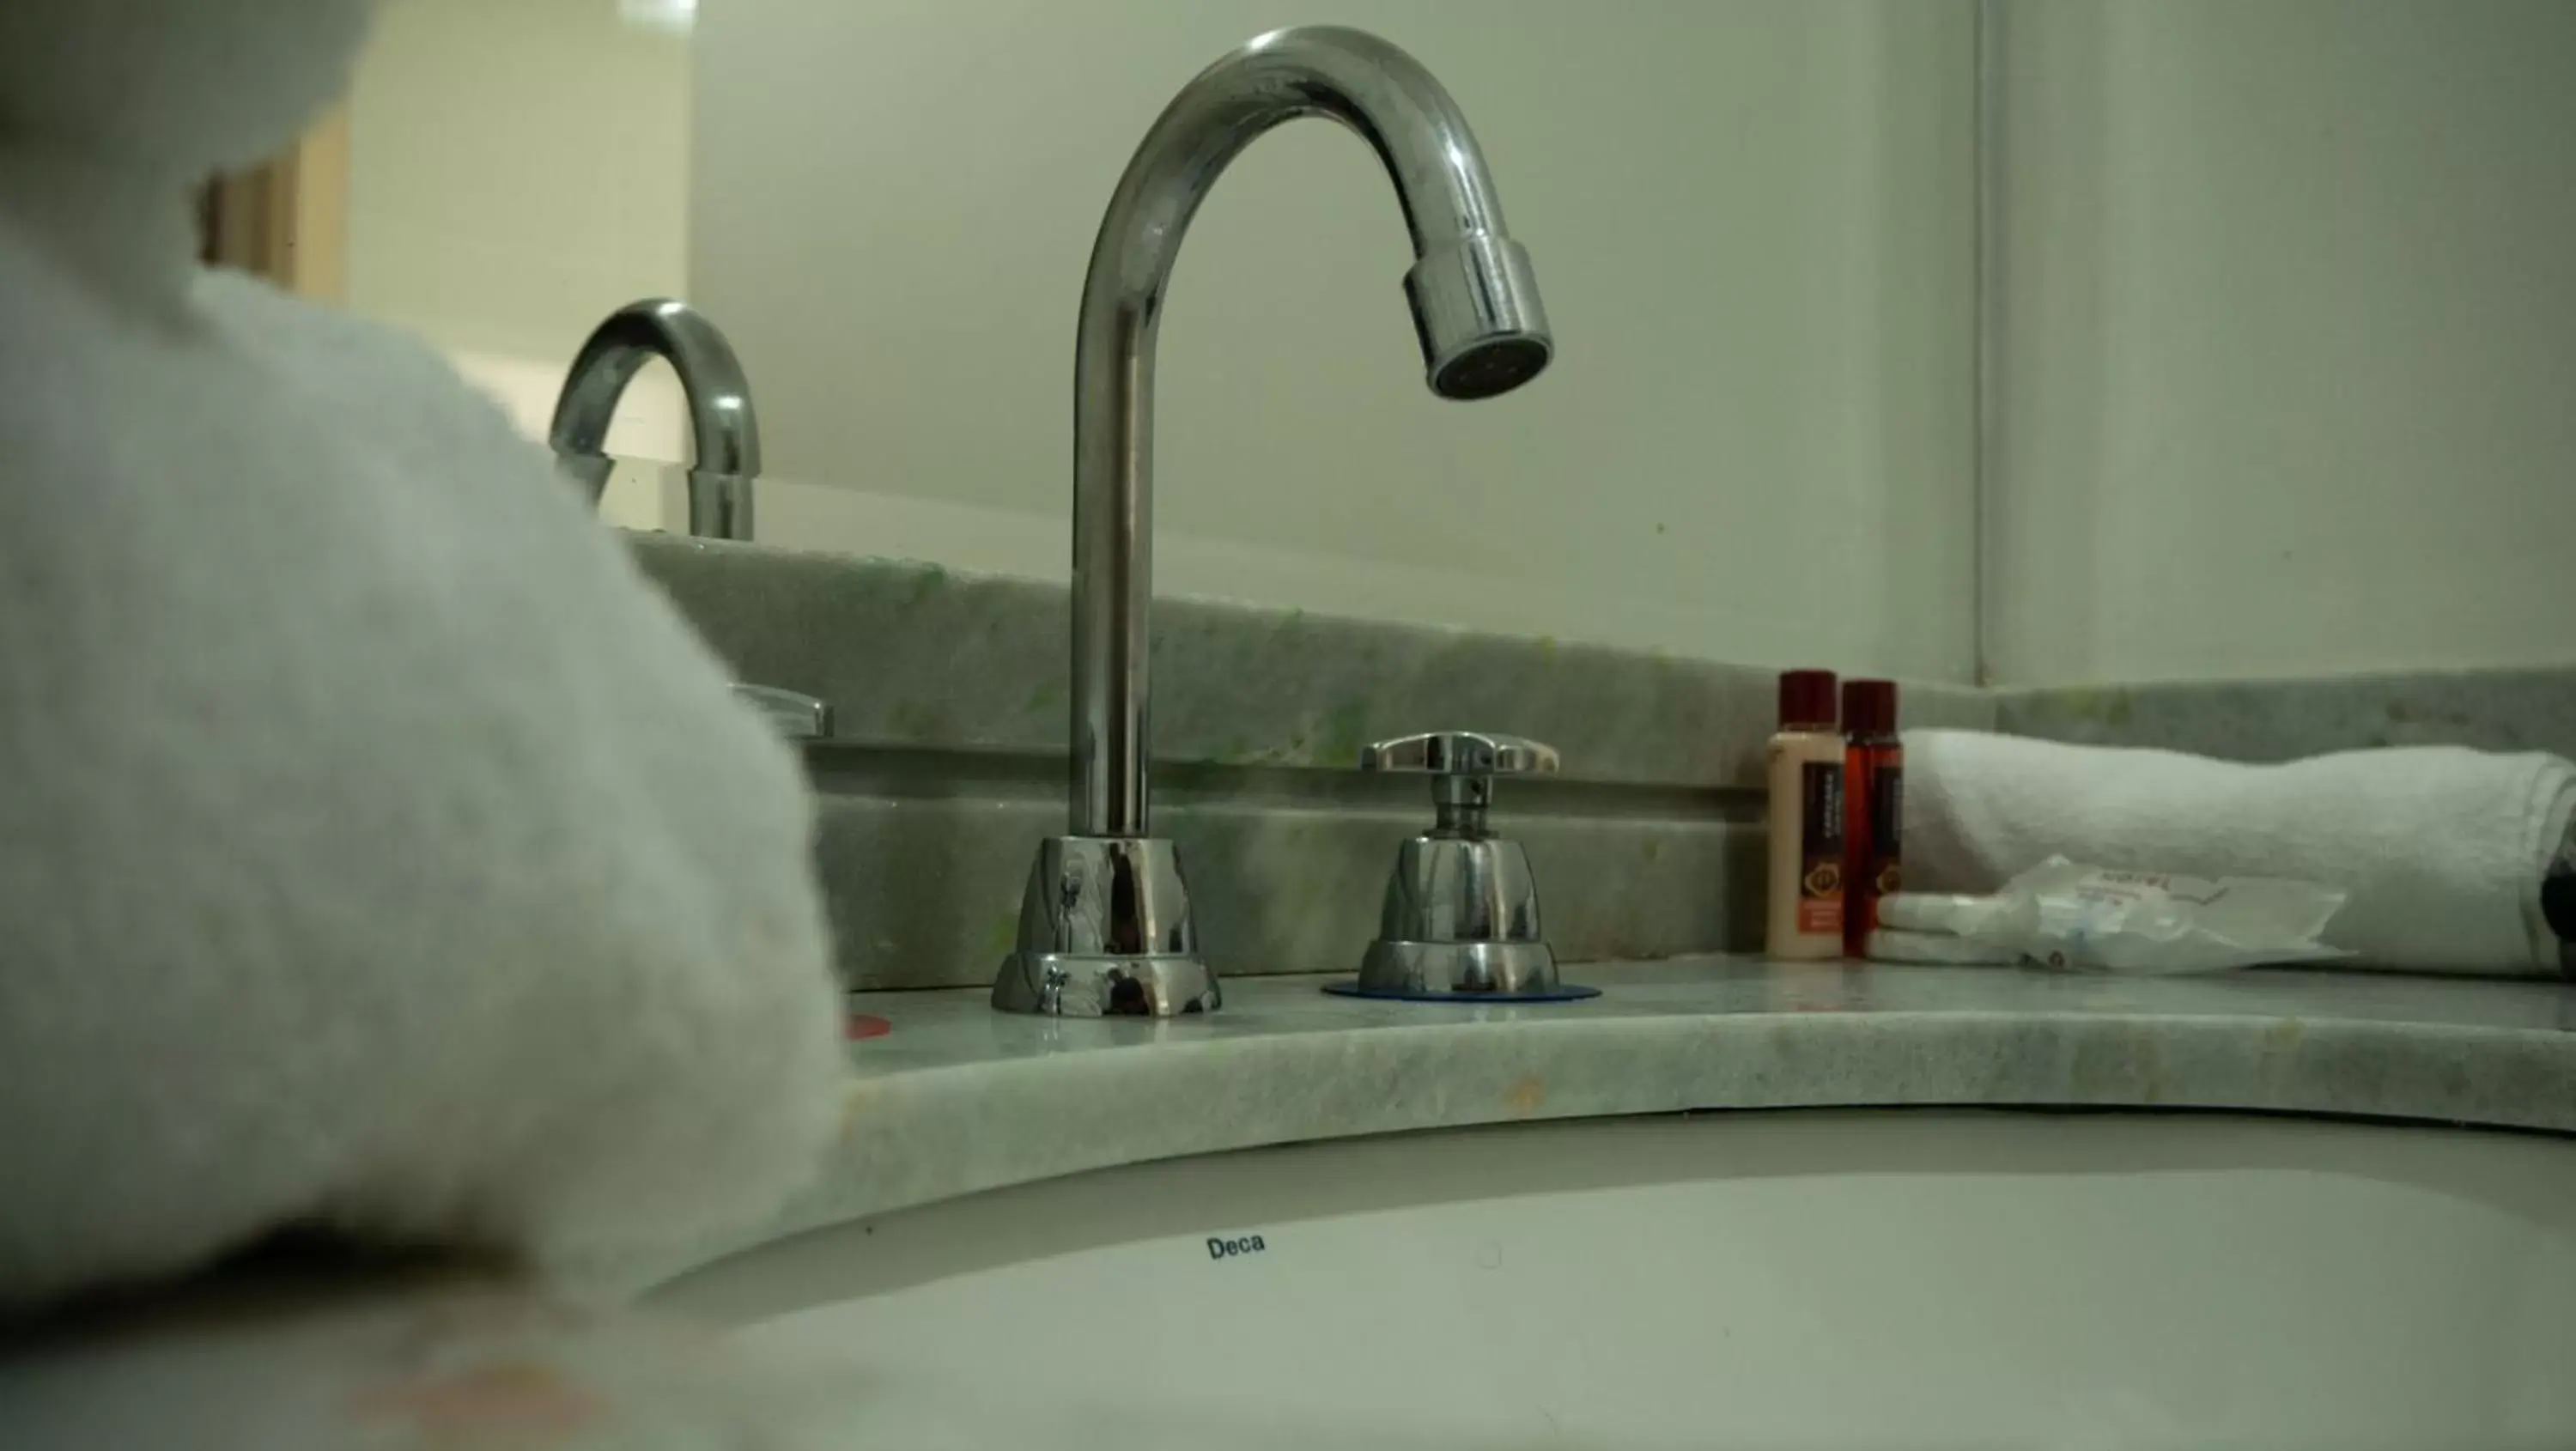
x,y
503,174
2004,341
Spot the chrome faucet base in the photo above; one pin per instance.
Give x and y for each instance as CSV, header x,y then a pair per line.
x,y
1466,969
1106,931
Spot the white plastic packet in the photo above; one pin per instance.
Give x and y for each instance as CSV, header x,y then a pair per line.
x,y
2064,915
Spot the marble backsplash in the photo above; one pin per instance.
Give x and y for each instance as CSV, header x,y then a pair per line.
x,y
947,764
2276,720
923,860
910,654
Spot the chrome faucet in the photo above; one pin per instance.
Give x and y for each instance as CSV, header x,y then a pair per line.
x,y
723,428
726,436
1105,927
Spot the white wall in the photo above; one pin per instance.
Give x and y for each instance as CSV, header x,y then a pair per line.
x,y
1752,224
2288,341
518,169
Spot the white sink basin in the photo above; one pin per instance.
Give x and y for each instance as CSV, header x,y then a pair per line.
x,y
1811,1279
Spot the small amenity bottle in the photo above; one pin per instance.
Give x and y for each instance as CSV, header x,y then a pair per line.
x,y
1804,917
1873,809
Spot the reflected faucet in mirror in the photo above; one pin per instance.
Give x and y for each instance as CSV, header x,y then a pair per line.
x,y
723,429
725,432
1105,928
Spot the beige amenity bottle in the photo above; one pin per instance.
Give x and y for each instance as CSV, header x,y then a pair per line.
x,y
1804,901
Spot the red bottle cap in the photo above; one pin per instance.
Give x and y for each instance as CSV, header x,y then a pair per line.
x,y
1869,707
1806,700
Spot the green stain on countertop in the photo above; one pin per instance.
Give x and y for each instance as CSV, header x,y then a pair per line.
x,y
2109,705
928,582
1344,732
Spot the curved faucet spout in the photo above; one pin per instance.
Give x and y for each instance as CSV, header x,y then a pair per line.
x,y
1475,308
722,426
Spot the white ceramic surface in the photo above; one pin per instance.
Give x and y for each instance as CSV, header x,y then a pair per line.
x,y
956,1099
1808,1279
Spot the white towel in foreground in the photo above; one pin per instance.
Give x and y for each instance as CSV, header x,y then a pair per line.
x,y
2441,848
377,848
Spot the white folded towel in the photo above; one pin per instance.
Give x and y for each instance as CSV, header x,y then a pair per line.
x,y
2440,848
377,848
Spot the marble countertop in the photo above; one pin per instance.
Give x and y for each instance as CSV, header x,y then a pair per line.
x,y
955,1098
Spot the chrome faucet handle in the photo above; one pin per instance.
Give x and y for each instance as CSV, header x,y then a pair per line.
x,y
1460,753
1461,911
795,716
1462,765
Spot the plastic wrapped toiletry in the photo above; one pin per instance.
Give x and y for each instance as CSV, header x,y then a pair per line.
x,y
1937,949
2064,915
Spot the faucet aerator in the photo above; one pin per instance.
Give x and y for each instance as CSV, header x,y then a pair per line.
x,y
1476,310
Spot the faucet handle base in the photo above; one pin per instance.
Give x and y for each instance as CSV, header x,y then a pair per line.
x,y
1461,969
1053,984
1105,931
